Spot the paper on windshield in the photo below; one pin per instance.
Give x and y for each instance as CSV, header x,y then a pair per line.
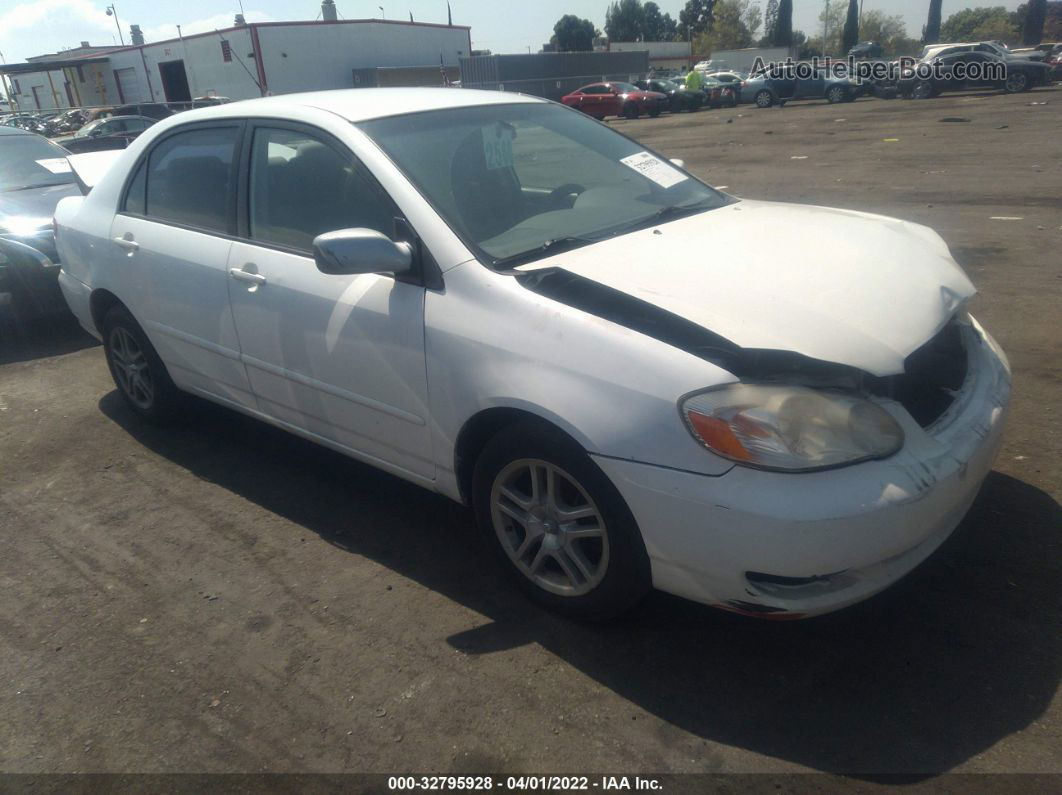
x,y
663,174
498,146
57,165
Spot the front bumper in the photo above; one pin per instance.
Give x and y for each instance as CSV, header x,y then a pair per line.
x,y
789,545
28,277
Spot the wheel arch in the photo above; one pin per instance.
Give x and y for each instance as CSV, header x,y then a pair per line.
x,y
101,301
484,425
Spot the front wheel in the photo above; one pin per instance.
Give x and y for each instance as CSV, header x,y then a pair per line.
x,y
630,111
560,527
654,113
764,99
136,368
835,94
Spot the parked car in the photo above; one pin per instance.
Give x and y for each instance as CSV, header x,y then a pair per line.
x,y
113,132
866,49
634,379
616,99
34,176
765,91
151,110
25,121
679,97
718,94
1018,74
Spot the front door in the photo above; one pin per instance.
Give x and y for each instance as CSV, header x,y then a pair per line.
x,y
338,356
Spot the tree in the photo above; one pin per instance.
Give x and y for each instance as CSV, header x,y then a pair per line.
x,y
850,38
1035,17
980,24
770,18
728,30
572,34
751,16
888,31
832,24
1052,30
783,26
931,32
696,17
625,21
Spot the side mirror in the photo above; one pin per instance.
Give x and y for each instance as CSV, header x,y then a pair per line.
x,y
678,162
350,251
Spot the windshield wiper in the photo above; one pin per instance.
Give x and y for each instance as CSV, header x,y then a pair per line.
x,y
31,187
669,213
554,246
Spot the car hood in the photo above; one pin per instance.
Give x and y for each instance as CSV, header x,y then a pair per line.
x,y
835,285
34,202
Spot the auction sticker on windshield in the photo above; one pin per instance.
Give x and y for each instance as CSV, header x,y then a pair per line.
x,y
57,165
653,168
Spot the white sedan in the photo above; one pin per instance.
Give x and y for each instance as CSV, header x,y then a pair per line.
x,y
634,379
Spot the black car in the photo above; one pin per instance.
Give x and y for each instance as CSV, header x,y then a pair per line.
x,y
34,176
114,132
953,73
679,97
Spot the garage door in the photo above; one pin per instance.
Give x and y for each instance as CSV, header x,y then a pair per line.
x,y
128,86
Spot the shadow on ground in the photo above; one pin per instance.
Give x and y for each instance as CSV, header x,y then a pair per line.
x,y
24,339
961,654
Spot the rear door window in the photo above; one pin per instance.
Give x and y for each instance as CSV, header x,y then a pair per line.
x,y
190,179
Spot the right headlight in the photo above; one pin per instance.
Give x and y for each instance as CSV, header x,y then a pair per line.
x,y
790,428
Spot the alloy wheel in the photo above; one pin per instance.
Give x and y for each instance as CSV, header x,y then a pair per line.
x,y
549,527
131,368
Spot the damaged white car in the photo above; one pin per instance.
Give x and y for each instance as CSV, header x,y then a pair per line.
x,y
635,380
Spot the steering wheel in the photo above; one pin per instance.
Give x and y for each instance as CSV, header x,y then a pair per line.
x,y
562,194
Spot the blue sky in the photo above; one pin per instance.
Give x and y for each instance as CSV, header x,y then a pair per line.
x,y
34,27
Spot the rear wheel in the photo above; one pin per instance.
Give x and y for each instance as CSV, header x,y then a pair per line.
x,y
1016,82
923,89
764,99
835,94
559,525
136,368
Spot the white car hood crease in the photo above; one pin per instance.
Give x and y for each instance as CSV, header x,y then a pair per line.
x,y
836,285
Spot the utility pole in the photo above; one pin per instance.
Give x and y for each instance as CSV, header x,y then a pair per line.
x,y
825,27
112,13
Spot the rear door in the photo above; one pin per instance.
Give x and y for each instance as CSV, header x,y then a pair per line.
x,y
173,233
338,356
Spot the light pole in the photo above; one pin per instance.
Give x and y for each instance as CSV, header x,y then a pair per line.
x,y
825,27
112,13
382,14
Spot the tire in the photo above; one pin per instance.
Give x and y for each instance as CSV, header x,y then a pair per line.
x,y
630,111
923,89
835,94
763,98
1016,82
654,113
137,370
595,576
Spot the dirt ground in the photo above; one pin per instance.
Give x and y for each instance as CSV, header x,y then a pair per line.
x,y
224,597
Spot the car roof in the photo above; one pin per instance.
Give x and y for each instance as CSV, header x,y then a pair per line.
x,y
4,130
361,104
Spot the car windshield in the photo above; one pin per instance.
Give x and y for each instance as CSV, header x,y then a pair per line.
x,y
516,180
92,125
28,161
624,88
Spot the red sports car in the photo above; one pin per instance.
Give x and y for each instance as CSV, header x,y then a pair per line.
x,y
616,99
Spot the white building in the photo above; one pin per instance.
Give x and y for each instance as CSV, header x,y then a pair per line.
x,y
663,55
241,62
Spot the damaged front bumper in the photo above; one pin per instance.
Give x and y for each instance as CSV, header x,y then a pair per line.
x,y
791,545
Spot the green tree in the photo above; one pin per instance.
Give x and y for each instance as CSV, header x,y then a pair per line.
x,y
657,26
625,21
696,17
888,31
931,32
980,24
783,26
1033,28
832,24
770,17
751,16
850,37
728,30
572,34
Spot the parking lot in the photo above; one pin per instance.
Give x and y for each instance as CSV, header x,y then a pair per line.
x,y
223,597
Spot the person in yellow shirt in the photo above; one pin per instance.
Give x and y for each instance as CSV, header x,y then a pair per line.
x,y
693,80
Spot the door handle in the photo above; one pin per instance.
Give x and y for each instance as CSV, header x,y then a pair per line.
x,y
246,276
127,243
